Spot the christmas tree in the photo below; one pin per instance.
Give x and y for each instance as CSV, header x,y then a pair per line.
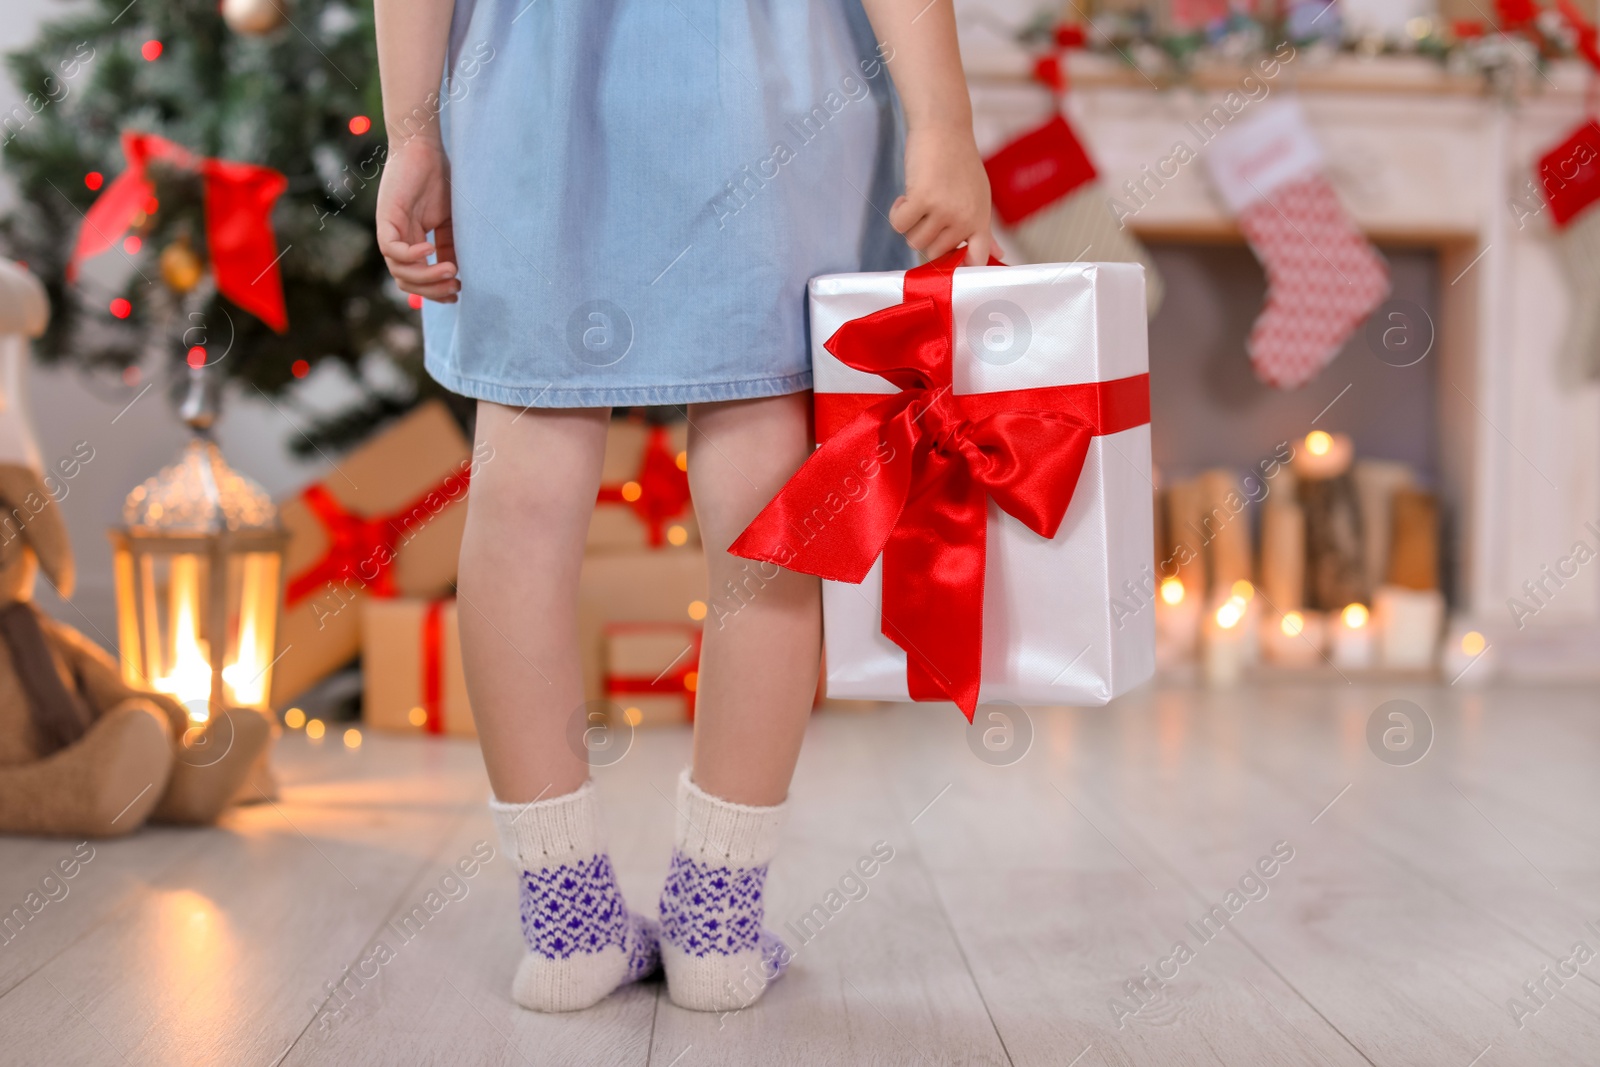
x,y
287,84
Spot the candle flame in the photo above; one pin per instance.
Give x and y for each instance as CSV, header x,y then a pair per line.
x,y
1172,591
246,677
1230,613
1293,623
1243,591
1354,616
1319,442
189,680
1472,643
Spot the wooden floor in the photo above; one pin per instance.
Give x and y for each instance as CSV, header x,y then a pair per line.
x,y
1021,902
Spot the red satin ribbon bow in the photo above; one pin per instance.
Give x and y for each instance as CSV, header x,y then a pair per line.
x,y
357,544
663,488
239,199
908,477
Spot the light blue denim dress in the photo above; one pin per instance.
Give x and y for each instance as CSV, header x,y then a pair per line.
x,y
641,189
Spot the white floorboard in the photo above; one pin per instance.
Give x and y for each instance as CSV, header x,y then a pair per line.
x,y
1021,901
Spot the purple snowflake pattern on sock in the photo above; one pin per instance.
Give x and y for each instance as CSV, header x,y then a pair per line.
x,y
709,910
575,907
775,955
643,947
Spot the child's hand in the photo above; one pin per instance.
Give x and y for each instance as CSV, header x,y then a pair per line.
x,y
413,198
947,196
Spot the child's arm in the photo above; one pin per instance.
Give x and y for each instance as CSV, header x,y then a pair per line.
x,y
947,192
414,195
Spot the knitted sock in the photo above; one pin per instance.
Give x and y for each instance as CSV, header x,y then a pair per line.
x,y
582,940
717,956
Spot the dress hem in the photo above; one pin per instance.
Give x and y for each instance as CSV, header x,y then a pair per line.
x,y
625,396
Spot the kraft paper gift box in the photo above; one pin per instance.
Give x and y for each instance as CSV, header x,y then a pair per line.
x,y
386,521
411,667
1002,479
644,489
652,671
635,587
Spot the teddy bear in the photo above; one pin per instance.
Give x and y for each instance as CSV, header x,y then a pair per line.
x,y
83,753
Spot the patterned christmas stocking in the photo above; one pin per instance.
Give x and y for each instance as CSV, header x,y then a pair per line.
x,y
1323,276
1570,174
1047,192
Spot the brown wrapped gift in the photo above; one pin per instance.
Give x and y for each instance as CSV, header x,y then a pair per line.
x,y
644,489
652,670
639,586
411,668
387,521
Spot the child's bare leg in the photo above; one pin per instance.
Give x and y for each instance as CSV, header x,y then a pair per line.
x,y
758,661
527,517
758,672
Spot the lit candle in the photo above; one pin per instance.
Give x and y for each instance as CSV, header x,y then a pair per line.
x,y
1324,455
1468,659
1225,642
1352,638
1297,639
1250,626
1408,622
1177,623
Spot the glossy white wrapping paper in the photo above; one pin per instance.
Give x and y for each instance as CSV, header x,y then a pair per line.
x,y
1059,624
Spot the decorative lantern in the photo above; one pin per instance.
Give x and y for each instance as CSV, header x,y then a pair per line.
x,y
199,570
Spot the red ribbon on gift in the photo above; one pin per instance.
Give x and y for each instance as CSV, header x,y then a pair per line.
x,y
357,543
932,459
239,199
663,488
681,680
433,667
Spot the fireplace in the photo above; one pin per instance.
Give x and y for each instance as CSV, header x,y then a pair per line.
x,y
1432,169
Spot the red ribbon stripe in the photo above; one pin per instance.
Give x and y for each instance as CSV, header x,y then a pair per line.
x,y
433,667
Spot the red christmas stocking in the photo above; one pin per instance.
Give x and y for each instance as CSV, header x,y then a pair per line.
x,y
1570,175
1323,276
1047,193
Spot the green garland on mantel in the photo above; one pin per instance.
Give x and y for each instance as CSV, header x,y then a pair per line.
x,y
1522,38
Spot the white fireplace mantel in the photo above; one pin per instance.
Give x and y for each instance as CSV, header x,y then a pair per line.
x,y
1418,157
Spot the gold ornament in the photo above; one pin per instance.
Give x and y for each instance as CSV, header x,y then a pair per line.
x,y
254,17
180,266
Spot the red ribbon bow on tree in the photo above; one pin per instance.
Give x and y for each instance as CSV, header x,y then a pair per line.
x,y
941,456
239,199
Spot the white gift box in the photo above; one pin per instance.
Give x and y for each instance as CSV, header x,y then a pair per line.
x,y
1066,620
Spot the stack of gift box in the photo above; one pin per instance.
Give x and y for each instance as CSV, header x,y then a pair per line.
x,y
371,567
642,596
1312,561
